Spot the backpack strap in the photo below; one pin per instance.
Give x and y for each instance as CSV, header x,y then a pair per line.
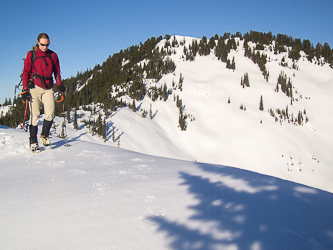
x,y
35,75
33,58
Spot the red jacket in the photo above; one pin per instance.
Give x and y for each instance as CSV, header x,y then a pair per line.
x,y
41,68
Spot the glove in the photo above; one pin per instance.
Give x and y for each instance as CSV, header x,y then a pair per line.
x,y
61,88
25,95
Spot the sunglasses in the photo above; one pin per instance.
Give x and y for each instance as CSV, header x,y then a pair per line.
x,y
44,45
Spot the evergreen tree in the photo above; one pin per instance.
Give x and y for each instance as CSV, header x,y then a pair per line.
x,y
150,112
286,87
308,49
113,134
182,120
165,92
180,85
106,105
133,106
144,114
246,79
104,130
63,135
228,66
68,114
212,43
318,51
260,46
174,41
289,88
261,104
192,51
75,125
300,118
221,51
204,48
93,127
327,53
179,102
231,65
154,93
99,125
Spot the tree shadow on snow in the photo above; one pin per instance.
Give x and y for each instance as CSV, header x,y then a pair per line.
x,y
239,209
62,142
153,116
81,127
118,138
138,107
4,127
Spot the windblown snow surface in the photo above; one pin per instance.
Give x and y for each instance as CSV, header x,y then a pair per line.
x,y
235,179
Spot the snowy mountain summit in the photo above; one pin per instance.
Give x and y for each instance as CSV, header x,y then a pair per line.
x,y
271,118
220,152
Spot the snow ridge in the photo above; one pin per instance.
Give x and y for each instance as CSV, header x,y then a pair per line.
x,y
93,196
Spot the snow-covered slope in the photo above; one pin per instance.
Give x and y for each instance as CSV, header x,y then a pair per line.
x,y
93,196
222,133
235,179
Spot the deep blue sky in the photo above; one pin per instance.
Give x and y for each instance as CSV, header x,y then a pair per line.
x,y
85,33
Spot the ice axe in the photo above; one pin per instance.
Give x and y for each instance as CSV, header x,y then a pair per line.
x,y
63,114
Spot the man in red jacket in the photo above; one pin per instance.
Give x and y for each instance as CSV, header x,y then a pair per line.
x,y
39,65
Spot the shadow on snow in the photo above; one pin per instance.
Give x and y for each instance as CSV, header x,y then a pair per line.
x,y
246,210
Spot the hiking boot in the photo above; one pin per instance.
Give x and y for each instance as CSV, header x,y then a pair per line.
x,y
34,148
46,140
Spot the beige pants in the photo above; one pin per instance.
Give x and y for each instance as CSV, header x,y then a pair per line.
x,y
39,96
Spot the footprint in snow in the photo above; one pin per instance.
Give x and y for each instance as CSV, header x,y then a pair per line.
x,y
78,172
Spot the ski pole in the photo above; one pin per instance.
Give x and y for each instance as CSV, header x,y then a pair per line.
x,y
25,112
63,113
17,86
26,108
